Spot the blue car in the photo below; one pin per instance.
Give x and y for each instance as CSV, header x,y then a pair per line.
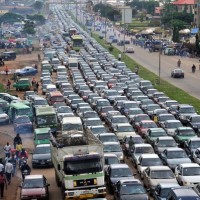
x,y
26,71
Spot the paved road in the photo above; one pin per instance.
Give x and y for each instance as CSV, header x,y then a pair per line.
x,y
168,63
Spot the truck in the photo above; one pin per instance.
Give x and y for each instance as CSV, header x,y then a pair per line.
x,y
79,164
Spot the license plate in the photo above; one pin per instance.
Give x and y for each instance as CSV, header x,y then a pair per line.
x,y
42,163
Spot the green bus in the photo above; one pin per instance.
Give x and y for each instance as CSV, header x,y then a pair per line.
x,y
77,42
18,109
41,136
46,117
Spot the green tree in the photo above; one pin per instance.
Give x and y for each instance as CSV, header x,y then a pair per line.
x,y
39,19
38,5
11,18
29,27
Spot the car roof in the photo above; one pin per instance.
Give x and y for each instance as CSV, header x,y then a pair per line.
x,y
110,143
117,166
159,168
189,165
142,145
106,134
33,176
123,124
152,155
166,138
168,185
42,145
174,149
110,155
130,180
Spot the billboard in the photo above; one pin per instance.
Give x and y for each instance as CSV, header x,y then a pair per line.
x,y
126,14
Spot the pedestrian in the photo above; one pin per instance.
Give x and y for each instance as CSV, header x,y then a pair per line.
x,y
7,149
17,139
179,63
6,70
130,145
2,183
1,166
37,86
136,69
36,66
18,149
8,171
25,167
8,85
119,56
33,82
13,160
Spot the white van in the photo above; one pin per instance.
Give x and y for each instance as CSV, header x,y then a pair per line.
x,y
50,88
71,124
61,68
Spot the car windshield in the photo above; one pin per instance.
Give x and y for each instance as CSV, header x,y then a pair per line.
x,y
187,110
121,172
151,162
112,148
140,118
195,144
191,171
125,129
149,125
137,140
57,98
196,119
119,120
135,112
176,154
26,111
108,138
164,192
128,189
64,110
21,120
111,160
46,119
42,150
174,125
166,117
33,183
158,133
41,102
151,108
43,136
93,122
103,103
96,130
162,174
130,105
167,143
70,127
187,132
142,150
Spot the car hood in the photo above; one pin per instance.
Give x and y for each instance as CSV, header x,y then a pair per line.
x,y
191,179
115,179
33,191
154,182
41,156
3,115
134,197
184,138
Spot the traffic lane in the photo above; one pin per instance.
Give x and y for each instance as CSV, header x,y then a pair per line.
x,y
168,63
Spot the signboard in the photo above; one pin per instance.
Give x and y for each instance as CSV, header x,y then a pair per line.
x,y
126,14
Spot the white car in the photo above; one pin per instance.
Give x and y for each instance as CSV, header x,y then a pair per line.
x,y
196,156
130,50
187,174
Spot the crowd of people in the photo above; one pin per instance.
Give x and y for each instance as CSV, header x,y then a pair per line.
x,y
15,158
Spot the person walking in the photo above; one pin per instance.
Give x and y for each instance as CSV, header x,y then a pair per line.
x,y
179,63
119,56
1,166
13,160
37,86
2,183
8,171
7,149
18,149
33,82
8,85
17,140
6,70
130,145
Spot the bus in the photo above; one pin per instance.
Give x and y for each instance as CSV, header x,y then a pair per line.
x,y
77,42
46,117
19,109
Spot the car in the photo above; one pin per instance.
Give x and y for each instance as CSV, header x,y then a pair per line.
x,y
42,156
138,149
163,143
116,120
130,50
23,124
144,125
183,193
153,134
26,71
161,118
194,122
95,130
135,121
187,174
123,129
64,111
170,126
177,73
130,189
22,84
162,189
182,134
115,172
174,156
109,159
146,160
4,118
4,105
115,148
157,174
196,155
34,186
191,145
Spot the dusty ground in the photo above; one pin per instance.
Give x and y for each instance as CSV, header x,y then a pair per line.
x,y
6,132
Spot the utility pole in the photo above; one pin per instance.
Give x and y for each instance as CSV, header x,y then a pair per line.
x,y
124,32
105,21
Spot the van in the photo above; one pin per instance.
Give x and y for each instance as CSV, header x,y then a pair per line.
x,y
71,124
55,96
183,193
61,68
41,136
50,88
73,63
9,55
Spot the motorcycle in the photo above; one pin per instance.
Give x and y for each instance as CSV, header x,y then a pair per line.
x,y
25,173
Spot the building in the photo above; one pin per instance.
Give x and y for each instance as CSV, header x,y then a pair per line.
x,y
184,6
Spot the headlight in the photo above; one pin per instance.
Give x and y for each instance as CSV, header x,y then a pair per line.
x,y
121,157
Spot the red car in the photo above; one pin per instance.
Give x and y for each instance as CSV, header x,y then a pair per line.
x,y
144,125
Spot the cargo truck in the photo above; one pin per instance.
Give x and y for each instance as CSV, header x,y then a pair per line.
x,y
78,162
